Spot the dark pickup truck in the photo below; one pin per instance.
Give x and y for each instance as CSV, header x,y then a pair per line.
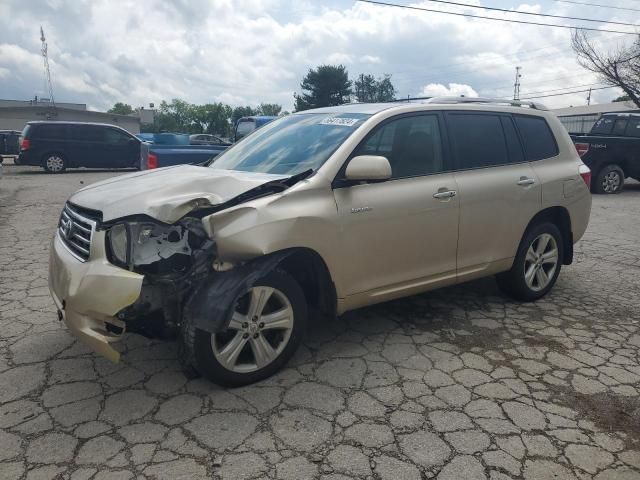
x,y
611,150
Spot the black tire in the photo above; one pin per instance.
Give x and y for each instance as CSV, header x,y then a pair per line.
x,y
610,180
204,360
513,282
54,162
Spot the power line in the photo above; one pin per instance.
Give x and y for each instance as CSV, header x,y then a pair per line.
x,y
565,93
565,88
469,15
598,5
496,9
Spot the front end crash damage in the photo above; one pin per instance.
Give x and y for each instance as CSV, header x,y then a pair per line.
x,y
184,280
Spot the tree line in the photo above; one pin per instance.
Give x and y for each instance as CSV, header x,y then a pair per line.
x,y
324,86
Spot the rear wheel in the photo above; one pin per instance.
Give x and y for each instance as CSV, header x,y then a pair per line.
x,y
54,163
536,266
263,333
610,180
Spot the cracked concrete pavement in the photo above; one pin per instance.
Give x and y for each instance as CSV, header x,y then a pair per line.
x,y
459,383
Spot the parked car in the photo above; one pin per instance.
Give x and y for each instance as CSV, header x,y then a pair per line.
x,y
9,144
206,139
246,125
611,150
326,210
56,146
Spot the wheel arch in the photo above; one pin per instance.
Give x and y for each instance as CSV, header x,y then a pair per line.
x,y
560,217
310,270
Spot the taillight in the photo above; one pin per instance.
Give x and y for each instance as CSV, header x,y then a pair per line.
x,y
152,161
582,148
25,144
585,173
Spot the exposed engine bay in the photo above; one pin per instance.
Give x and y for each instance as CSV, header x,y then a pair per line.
x,y
172,259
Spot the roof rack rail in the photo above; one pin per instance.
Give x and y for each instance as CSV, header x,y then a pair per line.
x,y
500,101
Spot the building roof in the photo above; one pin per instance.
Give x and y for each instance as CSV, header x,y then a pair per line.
x,y
595,109
73,111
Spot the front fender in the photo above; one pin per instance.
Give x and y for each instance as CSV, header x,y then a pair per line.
x,y
211,305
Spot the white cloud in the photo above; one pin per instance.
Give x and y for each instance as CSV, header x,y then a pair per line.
x,y
252,51
453,90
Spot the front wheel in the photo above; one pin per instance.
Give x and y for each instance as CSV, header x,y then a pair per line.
x,y
536,266
54,163
610,180
265,330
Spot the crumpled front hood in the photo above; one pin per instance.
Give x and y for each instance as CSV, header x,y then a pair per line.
x,y
167,194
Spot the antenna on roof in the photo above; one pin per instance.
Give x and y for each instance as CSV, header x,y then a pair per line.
x,y
47,71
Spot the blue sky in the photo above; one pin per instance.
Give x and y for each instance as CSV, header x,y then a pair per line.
x,y
252,51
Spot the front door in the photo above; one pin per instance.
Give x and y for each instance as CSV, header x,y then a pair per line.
x,y
400,235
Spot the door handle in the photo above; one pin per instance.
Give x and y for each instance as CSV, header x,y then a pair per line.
x,y
524,181
445,194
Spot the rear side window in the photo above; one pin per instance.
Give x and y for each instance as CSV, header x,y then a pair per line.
x,y
478,140
52,131
603,126
537,139
514,148
633,128
619,126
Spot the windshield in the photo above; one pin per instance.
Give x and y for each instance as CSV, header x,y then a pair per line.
x,y
291,144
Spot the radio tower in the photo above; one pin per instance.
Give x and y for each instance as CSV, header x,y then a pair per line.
x,y
516,85
47,72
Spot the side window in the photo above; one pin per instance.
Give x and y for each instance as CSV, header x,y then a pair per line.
x,y
52,131
603,126
619,126
478,140
633,128
537,138
411,144
113,136
93,134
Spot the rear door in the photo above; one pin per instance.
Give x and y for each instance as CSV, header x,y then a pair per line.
x,y
499,191
400,236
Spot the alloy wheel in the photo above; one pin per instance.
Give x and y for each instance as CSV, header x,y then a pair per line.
x,y
541,262
259,330
611,182
55,164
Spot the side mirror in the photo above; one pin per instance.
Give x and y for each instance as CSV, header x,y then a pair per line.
x,y
368,167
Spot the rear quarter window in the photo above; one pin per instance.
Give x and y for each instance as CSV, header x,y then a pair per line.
x,y
52,132
537,138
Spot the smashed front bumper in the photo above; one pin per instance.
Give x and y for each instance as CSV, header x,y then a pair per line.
x,y
89,294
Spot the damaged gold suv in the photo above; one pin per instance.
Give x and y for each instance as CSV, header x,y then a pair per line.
x,y
325,210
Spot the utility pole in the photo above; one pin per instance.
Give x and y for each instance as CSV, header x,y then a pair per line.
x,y
516,85
589,97
47,72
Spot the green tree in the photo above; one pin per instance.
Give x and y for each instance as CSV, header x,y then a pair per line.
x,y
212,118
271,109
121,109
177,116
370,89
325,86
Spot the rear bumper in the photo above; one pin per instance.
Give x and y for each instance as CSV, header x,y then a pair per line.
x,y
25,158
89,294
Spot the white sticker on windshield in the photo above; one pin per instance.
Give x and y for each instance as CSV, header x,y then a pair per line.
x,y
345,122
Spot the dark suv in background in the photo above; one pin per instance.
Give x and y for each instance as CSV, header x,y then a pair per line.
x,y
56,146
